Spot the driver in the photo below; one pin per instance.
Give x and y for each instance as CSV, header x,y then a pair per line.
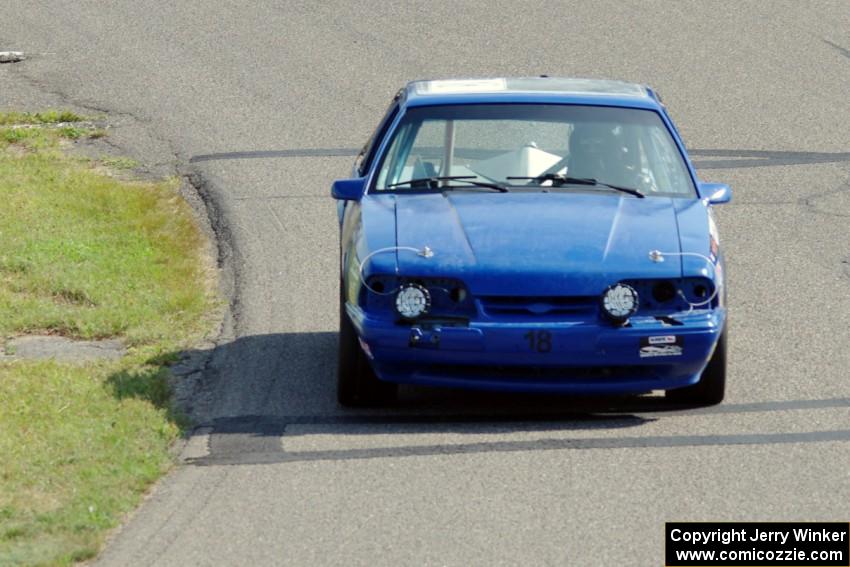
x,y
602,151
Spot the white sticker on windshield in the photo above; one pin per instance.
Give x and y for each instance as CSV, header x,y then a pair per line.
x,y
465,86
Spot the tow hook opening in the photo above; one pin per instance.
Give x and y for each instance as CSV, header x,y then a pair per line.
x,y
424,338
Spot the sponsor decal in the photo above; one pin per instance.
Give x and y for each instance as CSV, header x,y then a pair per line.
x,y
667,345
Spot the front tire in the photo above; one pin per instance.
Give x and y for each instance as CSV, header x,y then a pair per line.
x,y
711,387
357,384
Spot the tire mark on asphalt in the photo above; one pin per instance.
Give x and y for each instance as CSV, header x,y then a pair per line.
x,y
272,197
655,442
752,407
256,439
762,158
630,411
272,154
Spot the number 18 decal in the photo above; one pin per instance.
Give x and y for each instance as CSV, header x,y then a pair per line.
x,y
539,341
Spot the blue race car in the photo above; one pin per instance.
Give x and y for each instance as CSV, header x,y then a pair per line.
x,y
530,234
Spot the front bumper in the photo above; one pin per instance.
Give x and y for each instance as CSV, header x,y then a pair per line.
x,y
577,357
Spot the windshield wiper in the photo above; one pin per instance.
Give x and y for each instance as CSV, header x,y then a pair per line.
x,y
434,183
559,180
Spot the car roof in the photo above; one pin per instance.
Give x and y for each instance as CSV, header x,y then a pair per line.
x,y
553,90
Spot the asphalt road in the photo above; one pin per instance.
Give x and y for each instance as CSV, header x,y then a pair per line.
x,y
237,92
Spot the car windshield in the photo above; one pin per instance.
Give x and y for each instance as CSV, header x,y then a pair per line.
x,y
538,143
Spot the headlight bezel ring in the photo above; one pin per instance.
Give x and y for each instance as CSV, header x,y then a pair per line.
x,y
408,292
613,303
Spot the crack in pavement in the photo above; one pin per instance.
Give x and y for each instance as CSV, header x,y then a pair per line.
x,y
842,50
93,106
810,201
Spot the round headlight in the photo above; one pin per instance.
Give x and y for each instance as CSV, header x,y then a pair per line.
x,y
619,302
412,301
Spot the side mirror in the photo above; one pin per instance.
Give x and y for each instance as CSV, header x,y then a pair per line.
x,y
715,193
348,189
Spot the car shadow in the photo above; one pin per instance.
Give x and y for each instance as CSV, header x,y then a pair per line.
x,y
264,388
297,374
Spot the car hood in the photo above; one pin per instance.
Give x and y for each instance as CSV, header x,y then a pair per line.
x,y
543,244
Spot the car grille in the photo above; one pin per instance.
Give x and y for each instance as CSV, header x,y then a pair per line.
x,y
539,308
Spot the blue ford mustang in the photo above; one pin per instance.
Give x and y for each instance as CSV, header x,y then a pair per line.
x,y
532,234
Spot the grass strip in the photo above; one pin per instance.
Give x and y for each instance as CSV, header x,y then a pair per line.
x,y
87,256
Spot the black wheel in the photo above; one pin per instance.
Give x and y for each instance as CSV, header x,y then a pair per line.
x,y
356,383
711,387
